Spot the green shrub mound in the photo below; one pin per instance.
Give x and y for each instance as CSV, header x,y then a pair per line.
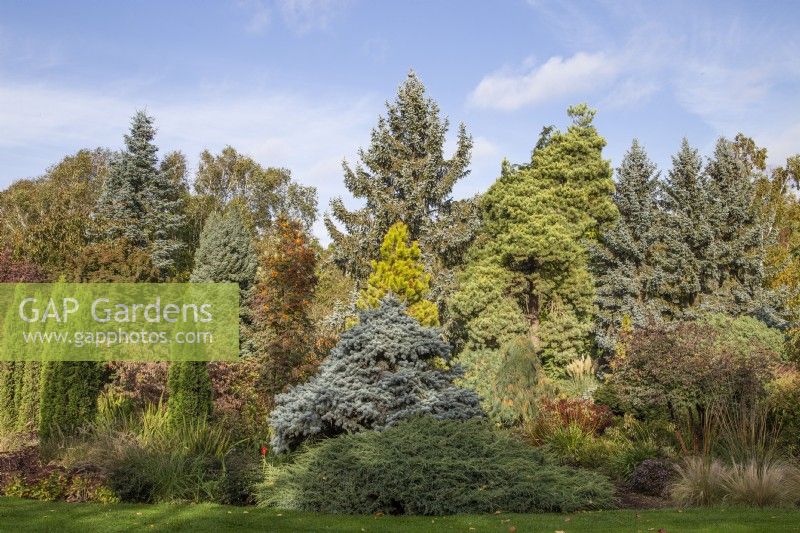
x,y
430,467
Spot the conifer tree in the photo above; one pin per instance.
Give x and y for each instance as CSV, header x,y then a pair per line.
x,y
19,380
687,232
164,221
401,273
190,391
27,399
120,210
225,254
139,202
528,271
404,176
736,257
623,259
714,237
68,396
381,371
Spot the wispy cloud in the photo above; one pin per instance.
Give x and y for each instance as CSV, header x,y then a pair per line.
x,y
310,136
304,16
556,77
300,16
730,72
258,13
630,92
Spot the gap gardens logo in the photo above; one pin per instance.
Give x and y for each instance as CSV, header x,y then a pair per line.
x,y
119,321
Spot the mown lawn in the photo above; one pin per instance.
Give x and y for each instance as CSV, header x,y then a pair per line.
x,y
27,515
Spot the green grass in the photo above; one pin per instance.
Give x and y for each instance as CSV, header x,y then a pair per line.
x,y
29,515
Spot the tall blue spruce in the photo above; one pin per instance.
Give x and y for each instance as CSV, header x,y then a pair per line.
x,y
711,255
736,274
140,203
682,261
623,259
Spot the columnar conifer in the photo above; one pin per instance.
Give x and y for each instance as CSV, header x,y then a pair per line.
x,y
623,259
225,254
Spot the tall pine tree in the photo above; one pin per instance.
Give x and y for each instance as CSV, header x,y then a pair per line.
x,y
711,256
404,176
623,259
682,261
736,256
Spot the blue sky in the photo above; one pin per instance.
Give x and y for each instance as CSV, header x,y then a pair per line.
x,y
299,83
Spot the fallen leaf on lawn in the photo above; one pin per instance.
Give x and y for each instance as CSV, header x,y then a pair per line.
x,y
567,519
512,529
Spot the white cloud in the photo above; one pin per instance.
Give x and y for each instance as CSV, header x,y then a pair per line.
x,y
288,130
556,78
720,94
483,148
630,93
300,16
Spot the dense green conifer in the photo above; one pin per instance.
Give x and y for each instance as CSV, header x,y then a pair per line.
x,y
225,254
527,273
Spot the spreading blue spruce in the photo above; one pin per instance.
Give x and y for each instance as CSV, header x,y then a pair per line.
x,y
383,370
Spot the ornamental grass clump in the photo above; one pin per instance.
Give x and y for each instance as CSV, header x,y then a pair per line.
x,y
741,462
